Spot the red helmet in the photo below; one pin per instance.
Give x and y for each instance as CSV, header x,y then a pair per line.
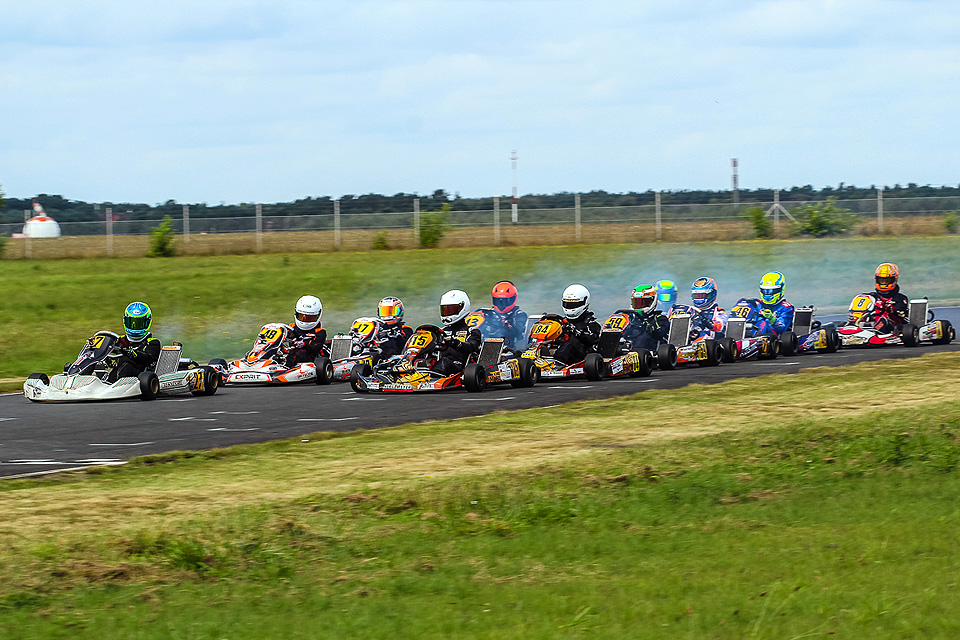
x,y
504,296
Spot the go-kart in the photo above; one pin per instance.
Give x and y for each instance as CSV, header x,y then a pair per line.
x,y
265,362
413,370
866,309
684,348
492,324
358,346
86,378
747,326
621,357
501,363
546,335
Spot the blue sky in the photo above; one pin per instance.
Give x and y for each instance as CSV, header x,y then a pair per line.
x,y
270,101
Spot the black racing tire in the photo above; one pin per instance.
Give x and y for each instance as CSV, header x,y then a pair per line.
x,y
360,370
788,343
474,377
910,335
646,364
42,377
948,332
666,357
529,374
713,354
324,370
149,385
774,343
728,348
218,362
593,366
211,381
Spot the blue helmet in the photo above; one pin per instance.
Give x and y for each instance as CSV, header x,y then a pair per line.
x,y
137,319
666,293
703,292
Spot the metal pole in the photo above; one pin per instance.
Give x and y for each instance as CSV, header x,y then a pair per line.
x,y
109,217
513,202
496,221
336,225
259,210
416,222
27,249
186,223
576,216
879,209
776,213
656,208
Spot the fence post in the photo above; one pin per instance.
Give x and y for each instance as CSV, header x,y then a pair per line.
x,y
27,249
576,216
416,222
186,223
879,209
496,221
656,208
776,213
259,210
109,219
336,225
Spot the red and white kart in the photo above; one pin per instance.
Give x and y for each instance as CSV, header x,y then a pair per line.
x,y
265,362
920,327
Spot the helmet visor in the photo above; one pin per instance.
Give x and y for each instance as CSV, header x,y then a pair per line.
x,y
572,304
450,310
389,310
642,302
887,281
141,323
307,317
667,297
700,296
502,304
769,292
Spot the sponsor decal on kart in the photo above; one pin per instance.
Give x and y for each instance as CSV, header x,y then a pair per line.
x,y
616,366
396,387
248,377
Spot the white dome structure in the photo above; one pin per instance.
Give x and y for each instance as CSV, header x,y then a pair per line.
x,y
41,227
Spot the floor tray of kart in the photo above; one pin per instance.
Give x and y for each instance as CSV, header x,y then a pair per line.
x,y
413,370
86,378
265,362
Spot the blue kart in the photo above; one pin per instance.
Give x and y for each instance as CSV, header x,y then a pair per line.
x,y
806,334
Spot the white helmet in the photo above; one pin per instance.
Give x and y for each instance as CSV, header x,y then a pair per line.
x,y
576,300
454,305
307,312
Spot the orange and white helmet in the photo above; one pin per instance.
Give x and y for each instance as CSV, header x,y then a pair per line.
x,y
390,310
886,277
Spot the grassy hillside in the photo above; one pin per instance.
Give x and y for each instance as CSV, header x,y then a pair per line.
x,y
214,305
772,514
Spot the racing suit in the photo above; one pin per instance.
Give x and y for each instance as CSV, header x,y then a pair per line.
x,y
891,311
459,342
137,357
514,327
647,331
305,345
582,335
391,338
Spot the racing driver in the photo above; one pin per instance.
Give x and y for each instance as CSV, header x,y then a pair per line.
x,y
509,315
393,334
648,327
893,307
140,349
709,319
459,339
581,328
307,338
776,311
666,295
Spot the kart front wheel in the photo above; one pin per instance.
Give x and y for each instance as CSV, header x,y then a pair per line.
x,y
910,335
211,381
666,357
529,374
788,343
324,370
474,377
360,370
646,364
728,350
149,385
593,366
773,347
218,362
947,332
713,354
42,377
832,338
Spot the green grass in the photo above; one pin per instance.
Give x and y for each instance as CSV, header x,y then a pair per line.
x,y
834,513
214,305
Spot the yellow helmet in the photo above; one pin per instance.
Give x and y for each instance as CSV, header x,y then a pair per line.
x,y
771,287
886,277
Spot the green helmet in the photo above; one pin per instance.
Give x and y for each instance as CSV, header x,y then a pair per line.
x,y
644,299
137,319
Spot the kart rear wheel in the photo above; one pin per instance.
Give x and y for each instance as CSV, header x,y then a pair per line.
x,y
218,362
728,348
42,377
211,381
910,335
529,374
593,366
646,364
474,377
947,331
324,370
713,354
788,343
360,370
149,385
666,357
773,344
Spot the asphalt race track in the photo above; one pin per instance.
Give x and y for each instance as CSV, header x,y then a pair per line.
x,y
37,437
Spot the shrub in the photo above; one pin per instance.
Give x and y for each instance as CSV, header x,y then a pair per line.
x,y
433,226
162,241
3,244
824,219
762,225
380,242
950,222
